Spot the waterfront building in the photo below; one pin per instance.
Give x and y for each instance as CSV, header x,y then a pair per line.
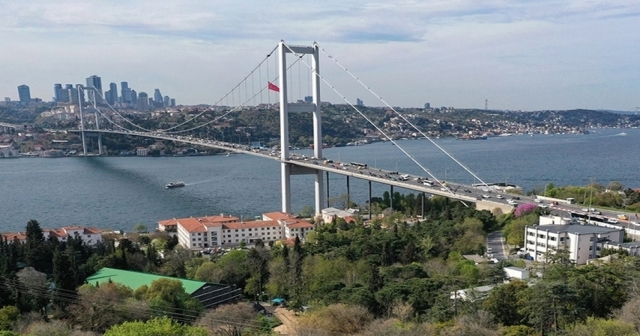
x,y
225,230
8,151
24,94
141,151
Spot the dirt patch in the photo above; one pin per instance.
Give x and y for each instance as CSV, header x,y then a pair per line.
x,y
288,319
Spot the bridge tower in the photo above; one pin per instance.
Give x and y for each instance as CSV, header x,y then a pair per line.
x,y
92,93
286,169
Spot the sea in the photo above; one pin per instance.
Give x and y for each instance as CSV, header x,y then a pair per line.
x,y
119,192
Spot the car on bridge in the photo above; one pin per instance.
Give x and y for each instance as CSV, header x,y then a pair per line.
x,y
486,196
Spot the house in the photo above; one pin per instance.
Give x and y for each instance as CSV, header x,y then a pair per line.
x,y
141,151
329,214
471,294
583,242
89,236
209,294
633,248
224,230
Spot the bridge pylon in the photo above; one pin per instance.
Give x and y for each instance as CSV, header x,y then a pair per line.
x,y
286,169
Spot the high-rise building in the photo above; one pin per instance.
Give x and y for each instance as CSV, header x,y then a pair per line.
x,y
143,101
57,90
427,106
134,97
173,102
73,93
114,92
125,93
166,101
63,94
359,102
157,96
96,83
24,93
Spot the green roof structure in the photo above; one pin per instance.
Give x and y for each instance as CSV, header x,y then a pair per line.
x,y
135,280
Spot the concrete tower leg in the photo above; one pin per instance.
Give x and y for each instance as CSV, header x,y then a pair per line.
x,y
317,127
84,141
284,130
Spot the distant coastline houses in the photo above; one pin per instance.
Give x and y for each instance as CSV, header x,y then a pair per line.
x,y
225,230
8,151
90,236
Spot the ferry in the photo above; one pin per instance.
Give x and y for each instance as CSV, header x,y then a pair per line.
x,y
174,185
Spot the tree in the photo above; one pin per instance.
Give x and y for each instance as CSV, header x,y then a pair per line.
x,y
31,290
549,305
140,228
35,250
65,283
209,272
8,316
229,319
162,326
98,308
168,296
502,303
615,186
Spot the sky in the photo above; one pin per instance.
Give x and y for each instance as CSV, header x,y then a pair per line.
x,y
517,54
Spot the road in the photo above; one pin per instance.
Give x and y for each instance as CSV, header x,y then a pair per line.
x,y
495,242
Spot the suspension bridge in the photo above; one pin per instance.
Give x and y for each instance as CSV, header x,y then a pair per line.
x,y
247,93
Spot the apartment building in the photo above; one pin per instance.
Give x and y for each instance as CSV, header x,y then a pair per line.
x,y
583,242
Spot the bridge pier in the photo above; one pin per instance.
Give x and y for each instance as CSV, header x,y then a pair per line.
x,y
369,200
327,189
348,193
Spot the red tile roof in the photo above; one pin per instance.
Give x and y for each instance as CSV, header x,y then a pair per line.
x,y
192,225
251,224
11,235
277,215
92,231
168,222
298,223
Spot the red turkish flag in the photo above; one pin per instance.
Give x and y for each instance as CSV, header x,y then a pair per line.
x,y
273,87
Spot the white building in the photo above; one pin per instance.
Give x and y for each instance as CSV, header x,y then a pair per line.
x,y
583,242
329,214
225,230
90,236
141,151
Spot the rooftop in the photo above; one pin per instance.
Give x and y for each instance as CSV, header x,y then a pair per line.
x,y
574,228
135,280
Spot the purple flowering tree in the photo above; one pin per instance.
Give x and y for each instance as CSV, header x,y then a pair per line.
x,y
524,209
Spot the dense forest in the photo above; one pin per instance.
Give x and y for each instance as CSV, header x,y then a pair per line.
x,y
390,276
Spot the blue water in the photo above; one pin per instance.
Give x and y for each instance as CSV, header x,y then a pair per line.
x,y
118,192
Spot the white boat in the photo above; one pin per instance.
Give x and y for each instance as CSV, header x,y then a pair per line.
x,y
175,185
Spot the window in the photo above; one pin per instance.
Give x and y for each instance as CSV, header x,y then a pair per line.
x,y
531,234
193,239
243,234
236,235
541,236
552,238
590,248
242,230
249,229
198,239
561,238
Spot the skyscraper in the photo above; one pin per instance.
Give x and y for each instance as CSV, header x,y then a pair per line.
x,y
173,102
24,93
125,93
113,88
134,97
64,94
57,90
96,83
167,100
359,102
157,96
143,101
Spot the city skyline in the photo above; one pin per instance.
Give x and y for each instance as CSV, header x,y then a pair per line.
x,y
527,56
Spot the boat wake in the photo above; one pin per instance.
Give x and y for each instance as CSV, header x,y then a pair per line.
x,y
199,182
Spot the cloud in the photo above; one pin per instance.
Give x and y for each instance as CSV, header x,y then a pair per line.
x,y
452,52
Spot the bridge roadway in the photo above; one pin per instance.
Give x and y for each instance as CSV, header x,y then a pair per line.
x,y
470,194
490,199
3,124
